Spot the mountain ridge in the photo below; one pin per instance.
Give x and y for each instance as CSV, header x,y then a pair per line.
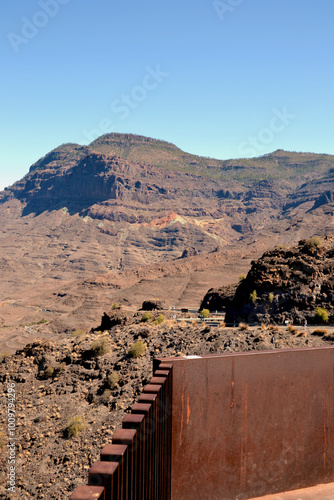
x,y
86,227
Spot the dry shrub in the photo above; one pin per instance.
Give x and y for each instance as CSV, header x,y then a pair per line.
x,y
49,372
159,320
113,380
292,329
302,334
222,324
77,333
243,326
263,326
147,316
320,332
314,242
105,397
100,346
75,425
137,349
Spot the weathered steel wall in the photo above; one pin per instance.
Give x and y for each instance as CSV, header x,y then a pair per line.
x,y
250,424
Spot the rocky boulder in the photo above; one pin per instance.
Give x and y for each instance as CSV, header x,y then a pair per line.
x,y
218,299
287,284
114,318
152,305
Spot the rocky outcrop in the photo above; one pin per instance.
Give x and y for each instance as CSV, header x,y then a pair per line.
x,y
114,318
152,305
219,299
288,284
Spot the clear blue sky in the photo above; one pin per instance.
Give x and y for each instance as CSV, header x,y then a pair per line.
x,y
235,78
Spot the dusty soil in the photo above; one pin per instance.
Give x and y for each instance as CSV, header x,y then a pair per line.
x,y
60,379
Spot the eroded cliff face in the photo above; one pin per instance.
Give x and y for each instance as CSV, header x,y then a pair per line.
x,y
286,284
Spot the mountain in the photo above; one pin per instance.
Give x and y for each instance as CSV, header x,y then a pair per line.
x,y
92,225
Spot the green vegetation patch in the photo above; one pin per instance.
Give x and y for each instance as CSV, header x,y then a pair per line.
x,y
321,314
205,313
147,316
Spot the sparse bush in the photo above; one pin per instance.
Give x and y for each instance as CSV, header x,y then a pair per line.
x,y
320,332
271,297
292,329
160,319
302,334
241,277
49,372
243,326
100,346
115,306
263,326
74,426
106,395
321,314
147,316
253,296
205,313
313,242
42,322
137,349
113,380
77,333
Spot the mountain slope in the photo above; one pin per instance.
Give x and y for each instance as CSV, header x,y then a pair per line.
x,y
91,224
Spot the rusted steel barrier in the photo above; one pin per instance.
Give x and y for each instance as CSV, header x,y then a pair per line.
x,y
244,426
137,463
247,425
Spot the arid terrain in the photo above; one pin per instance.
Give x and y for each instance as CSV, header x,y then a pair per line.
x,y
68,377
130,218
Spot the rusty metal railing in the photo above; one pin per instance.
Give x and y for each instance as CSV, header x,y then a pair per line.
x,y
137,464
244,425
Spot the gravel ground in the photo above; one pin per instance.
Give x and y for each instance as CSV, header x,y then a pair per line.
x,y
65,378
